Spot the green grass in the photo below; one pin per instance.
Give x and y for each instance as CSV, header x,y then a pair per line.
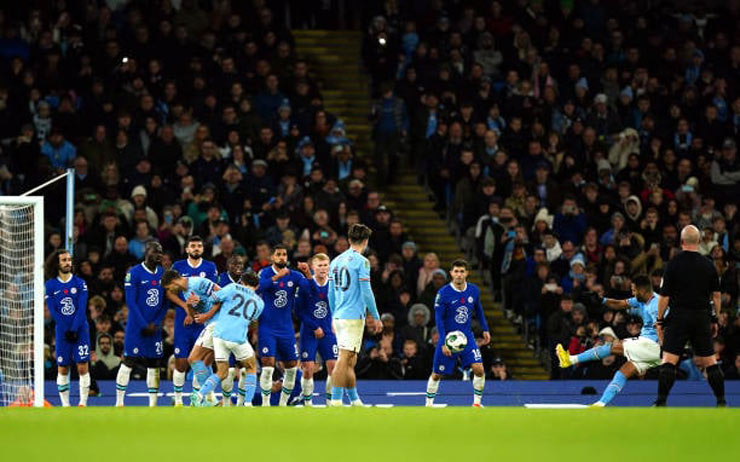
x,y
382,435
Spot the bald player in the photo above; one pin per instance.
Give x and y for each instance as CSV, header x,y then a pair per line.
x,y
691,286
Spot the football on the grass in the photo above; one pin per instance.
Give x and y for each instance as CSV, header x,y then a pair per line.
x,y
456,341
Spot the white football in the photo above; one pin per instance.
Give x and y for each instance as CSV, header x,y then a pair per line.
x,y
456,341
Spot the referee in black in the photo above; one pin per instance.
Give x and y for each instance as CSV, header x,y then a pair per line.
x,y
689,283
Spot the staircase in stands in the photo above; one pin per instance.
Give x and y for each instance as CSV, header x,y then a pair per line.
x,y
335,61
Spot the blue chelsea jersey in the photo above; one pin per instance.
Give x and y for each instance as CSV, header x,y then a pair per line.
x,y
280,298
144,296
67,302
453,309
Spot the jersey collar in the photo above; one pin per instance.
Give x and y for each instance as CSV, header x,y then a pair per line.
x,y
194,267
67,281
147,269
460,291
322,285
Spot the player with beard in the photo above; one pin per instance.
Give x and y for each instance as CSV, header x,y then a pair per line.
x,y
187,331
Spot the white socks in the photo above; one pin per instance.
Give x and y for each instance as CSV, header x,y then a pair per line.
x,y
84,388
178,382
227,386
288,385
124,375
152,385
240,391
63,388
479,383
266,385
307,390
328,388
432,387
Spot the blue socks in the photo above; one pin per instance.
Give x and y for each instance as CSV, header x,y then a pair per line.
x,y
200,371
337,393
614,387
250,385
594,354
352,393
210,385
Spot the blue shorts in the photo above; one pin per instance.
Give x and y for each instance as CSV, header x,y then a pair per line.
x,y
445,365
280,346
326,345
185,337
136,345
77,352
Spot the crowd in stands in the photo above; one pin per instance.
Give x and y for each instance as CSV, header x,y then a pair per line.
x,y
568,143
185,118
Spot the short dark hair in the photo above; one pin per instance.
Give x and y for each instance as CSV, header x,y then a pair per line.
x,y
642,282
169,276
250,278
460,263
194,238
279,247
358,233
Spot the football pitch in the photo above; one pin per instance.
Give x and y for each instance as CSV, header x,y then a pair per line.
x,y
352,434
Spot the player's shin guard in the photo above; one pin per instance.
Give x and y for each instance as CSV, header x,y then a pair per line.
x,y
614,387
266,385
666,377
432,387
594,354
288,385
63,388
307,390
84,388
327,388
479,383
124,375
716,380
227,386
152,385
240,391
250,386
178,382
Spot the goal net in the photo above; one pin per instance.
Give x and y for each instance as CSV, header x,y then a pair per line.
x,y
21,301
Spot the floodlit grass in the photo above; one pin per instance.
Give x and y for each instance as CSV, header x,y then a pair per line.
x,y
384,435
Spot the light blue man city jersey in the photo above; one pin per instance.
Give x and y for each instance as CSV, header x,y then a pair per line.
x,y
240,306
648,312
204,288
347,273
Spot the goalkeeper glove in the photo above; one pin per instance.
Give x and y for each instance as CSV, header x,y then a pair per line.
x,y
70,336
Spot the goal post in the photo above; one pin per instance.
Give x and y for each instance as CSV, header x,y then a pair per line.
x,y
22,300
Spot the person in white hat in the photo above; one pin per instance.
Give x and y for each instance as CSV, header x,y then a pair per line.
x,y
642,352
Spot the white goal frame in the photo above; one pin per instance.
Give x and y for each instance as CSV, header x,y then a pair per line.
x,y
38,296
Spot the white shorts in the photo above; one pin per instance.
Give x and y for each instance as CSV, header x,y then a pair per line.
x,y
642,352
205,339
222,348
349,333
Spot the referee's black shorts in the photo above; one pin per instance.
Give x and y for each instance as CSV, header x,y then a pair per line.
x,y
694,326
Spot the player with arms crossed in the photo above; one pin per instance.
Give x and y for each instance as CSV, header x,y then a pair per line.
x,y
316,333
146,310
198,293
278,287
453,309
186,331
234,308
350,297
642,352
66,297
